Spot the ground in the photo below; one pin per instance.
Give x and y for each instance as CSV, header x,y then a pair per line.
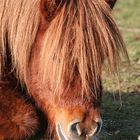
x,y
121,100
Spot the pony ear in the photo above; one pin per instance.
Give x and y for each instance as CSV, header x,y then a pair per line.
x,y
49,8
111,3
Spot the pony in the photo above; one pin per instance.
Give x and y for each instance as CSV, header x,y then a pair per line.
x,y
52,52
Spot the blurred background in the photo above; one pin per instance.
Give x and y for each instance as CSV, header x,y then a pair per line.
x,y
121,100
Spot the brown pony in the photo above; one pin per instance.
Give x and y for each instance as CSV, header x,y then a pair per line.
x,y
54,51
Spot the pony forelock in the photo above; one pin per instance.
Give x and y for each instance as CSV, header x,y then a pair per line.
x,y
79,39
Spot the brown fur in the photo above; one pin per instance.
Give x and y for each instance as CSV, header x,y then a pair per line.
x,y
56,48
18,119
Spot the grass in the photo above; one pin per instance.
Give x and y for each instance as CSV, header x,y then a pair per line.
x,y
121,100
121,123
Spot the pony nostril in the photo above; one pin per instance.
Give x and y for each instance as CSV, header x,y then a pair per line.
x,y
99,125
79,129
75,129
95,130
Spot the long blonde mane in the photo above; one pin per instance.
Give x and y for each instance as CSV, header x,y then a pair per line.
x,y
81,36
19,21
79,39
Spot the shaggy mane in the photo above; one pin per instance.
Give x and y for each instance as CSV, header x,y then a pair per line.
x,y
19,21
79,39
81,36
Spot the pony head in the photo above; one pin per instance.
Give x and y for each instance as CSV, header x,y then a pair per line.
x,y
67,63
74,39
64,46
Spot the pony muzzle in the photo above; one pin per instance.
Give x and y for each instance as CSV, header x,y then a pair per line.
x,y
78,130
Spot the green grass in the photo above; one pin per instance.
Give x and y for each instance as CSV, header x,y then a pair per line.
x,y
121,122
121,100
127,13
